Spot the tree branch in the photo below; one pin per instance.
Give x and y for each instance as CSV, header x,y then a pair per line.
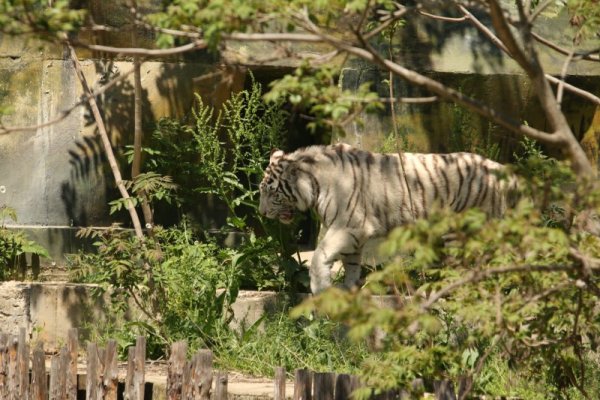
x,y
528,59
494,39
539,9
563,74
138,134
393,17
114,166
135,51
439,89
588,56
510,45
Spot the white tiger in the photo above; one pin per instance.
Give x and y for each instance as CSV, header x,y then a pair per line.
x,y
360,195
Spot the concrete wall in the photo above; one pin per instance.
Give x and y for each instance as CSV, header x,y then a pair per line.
x,y
49,309
56,177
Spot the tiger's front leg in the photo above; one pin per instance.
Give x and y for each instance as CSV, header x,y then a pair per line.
x,y
335,245
352,269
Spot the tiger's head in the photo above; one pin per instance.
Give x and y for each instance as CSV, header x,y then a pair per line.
x,y
276,197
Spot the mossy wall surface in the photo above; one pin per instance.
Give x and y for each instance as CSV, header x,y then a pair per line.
x,y
56,176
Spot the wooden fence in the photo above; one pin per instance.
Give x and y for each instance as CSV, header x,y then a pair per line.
x,y
24,376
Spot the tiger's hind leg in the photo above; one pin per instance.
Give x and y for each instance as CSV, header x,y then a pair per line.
x,y
335,245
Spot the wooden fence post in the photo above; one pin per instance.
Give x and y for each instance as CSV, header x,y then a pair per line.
x,y
110,373
175,369
343,387
92,374
65,362
135,375
13,369
444,390
139,378
279,384
303,385
187,381
39,381
53,395
324,384
130,372
23,361
221,382
135,381
465,384
71,365
3,366
204,374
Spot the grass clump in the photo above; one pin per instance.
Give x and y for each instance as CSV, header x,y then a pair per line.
x,y
279,341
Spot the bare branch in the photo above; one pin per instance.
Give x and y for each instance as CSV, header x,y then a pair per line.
x,y
442,18
363,16
506,37
539,9
199,44
483,29
454,95
106,143
135,51
588,56
436,87
529,61
563,74
560,134
390,100
279,37
388,20
494,39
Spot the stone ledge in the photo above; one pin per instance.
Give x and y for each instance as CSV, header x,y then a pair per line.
x,y
49,309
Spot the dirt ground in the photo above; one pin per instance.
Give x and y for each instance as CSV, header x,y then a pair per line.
x,y
239,386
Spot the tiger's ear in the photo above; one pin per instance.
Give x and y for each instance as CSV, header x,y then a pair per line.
x,y
276,154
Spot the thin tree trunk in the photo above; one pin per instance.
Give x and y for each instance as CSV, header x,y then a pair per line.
x,y
136,166
110,155
528,59
138,137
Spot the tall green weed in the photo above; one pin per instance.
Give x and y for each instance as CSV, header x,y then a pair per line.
x,y
180,278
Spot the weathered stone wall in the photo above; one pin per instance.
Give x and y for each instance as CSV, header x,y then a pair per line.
x,y
56,176
14,306
47,310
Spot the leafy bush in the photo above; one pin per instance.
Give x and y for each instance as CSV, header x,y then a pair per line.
x,y
222,156
179,277
14,244
187,276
